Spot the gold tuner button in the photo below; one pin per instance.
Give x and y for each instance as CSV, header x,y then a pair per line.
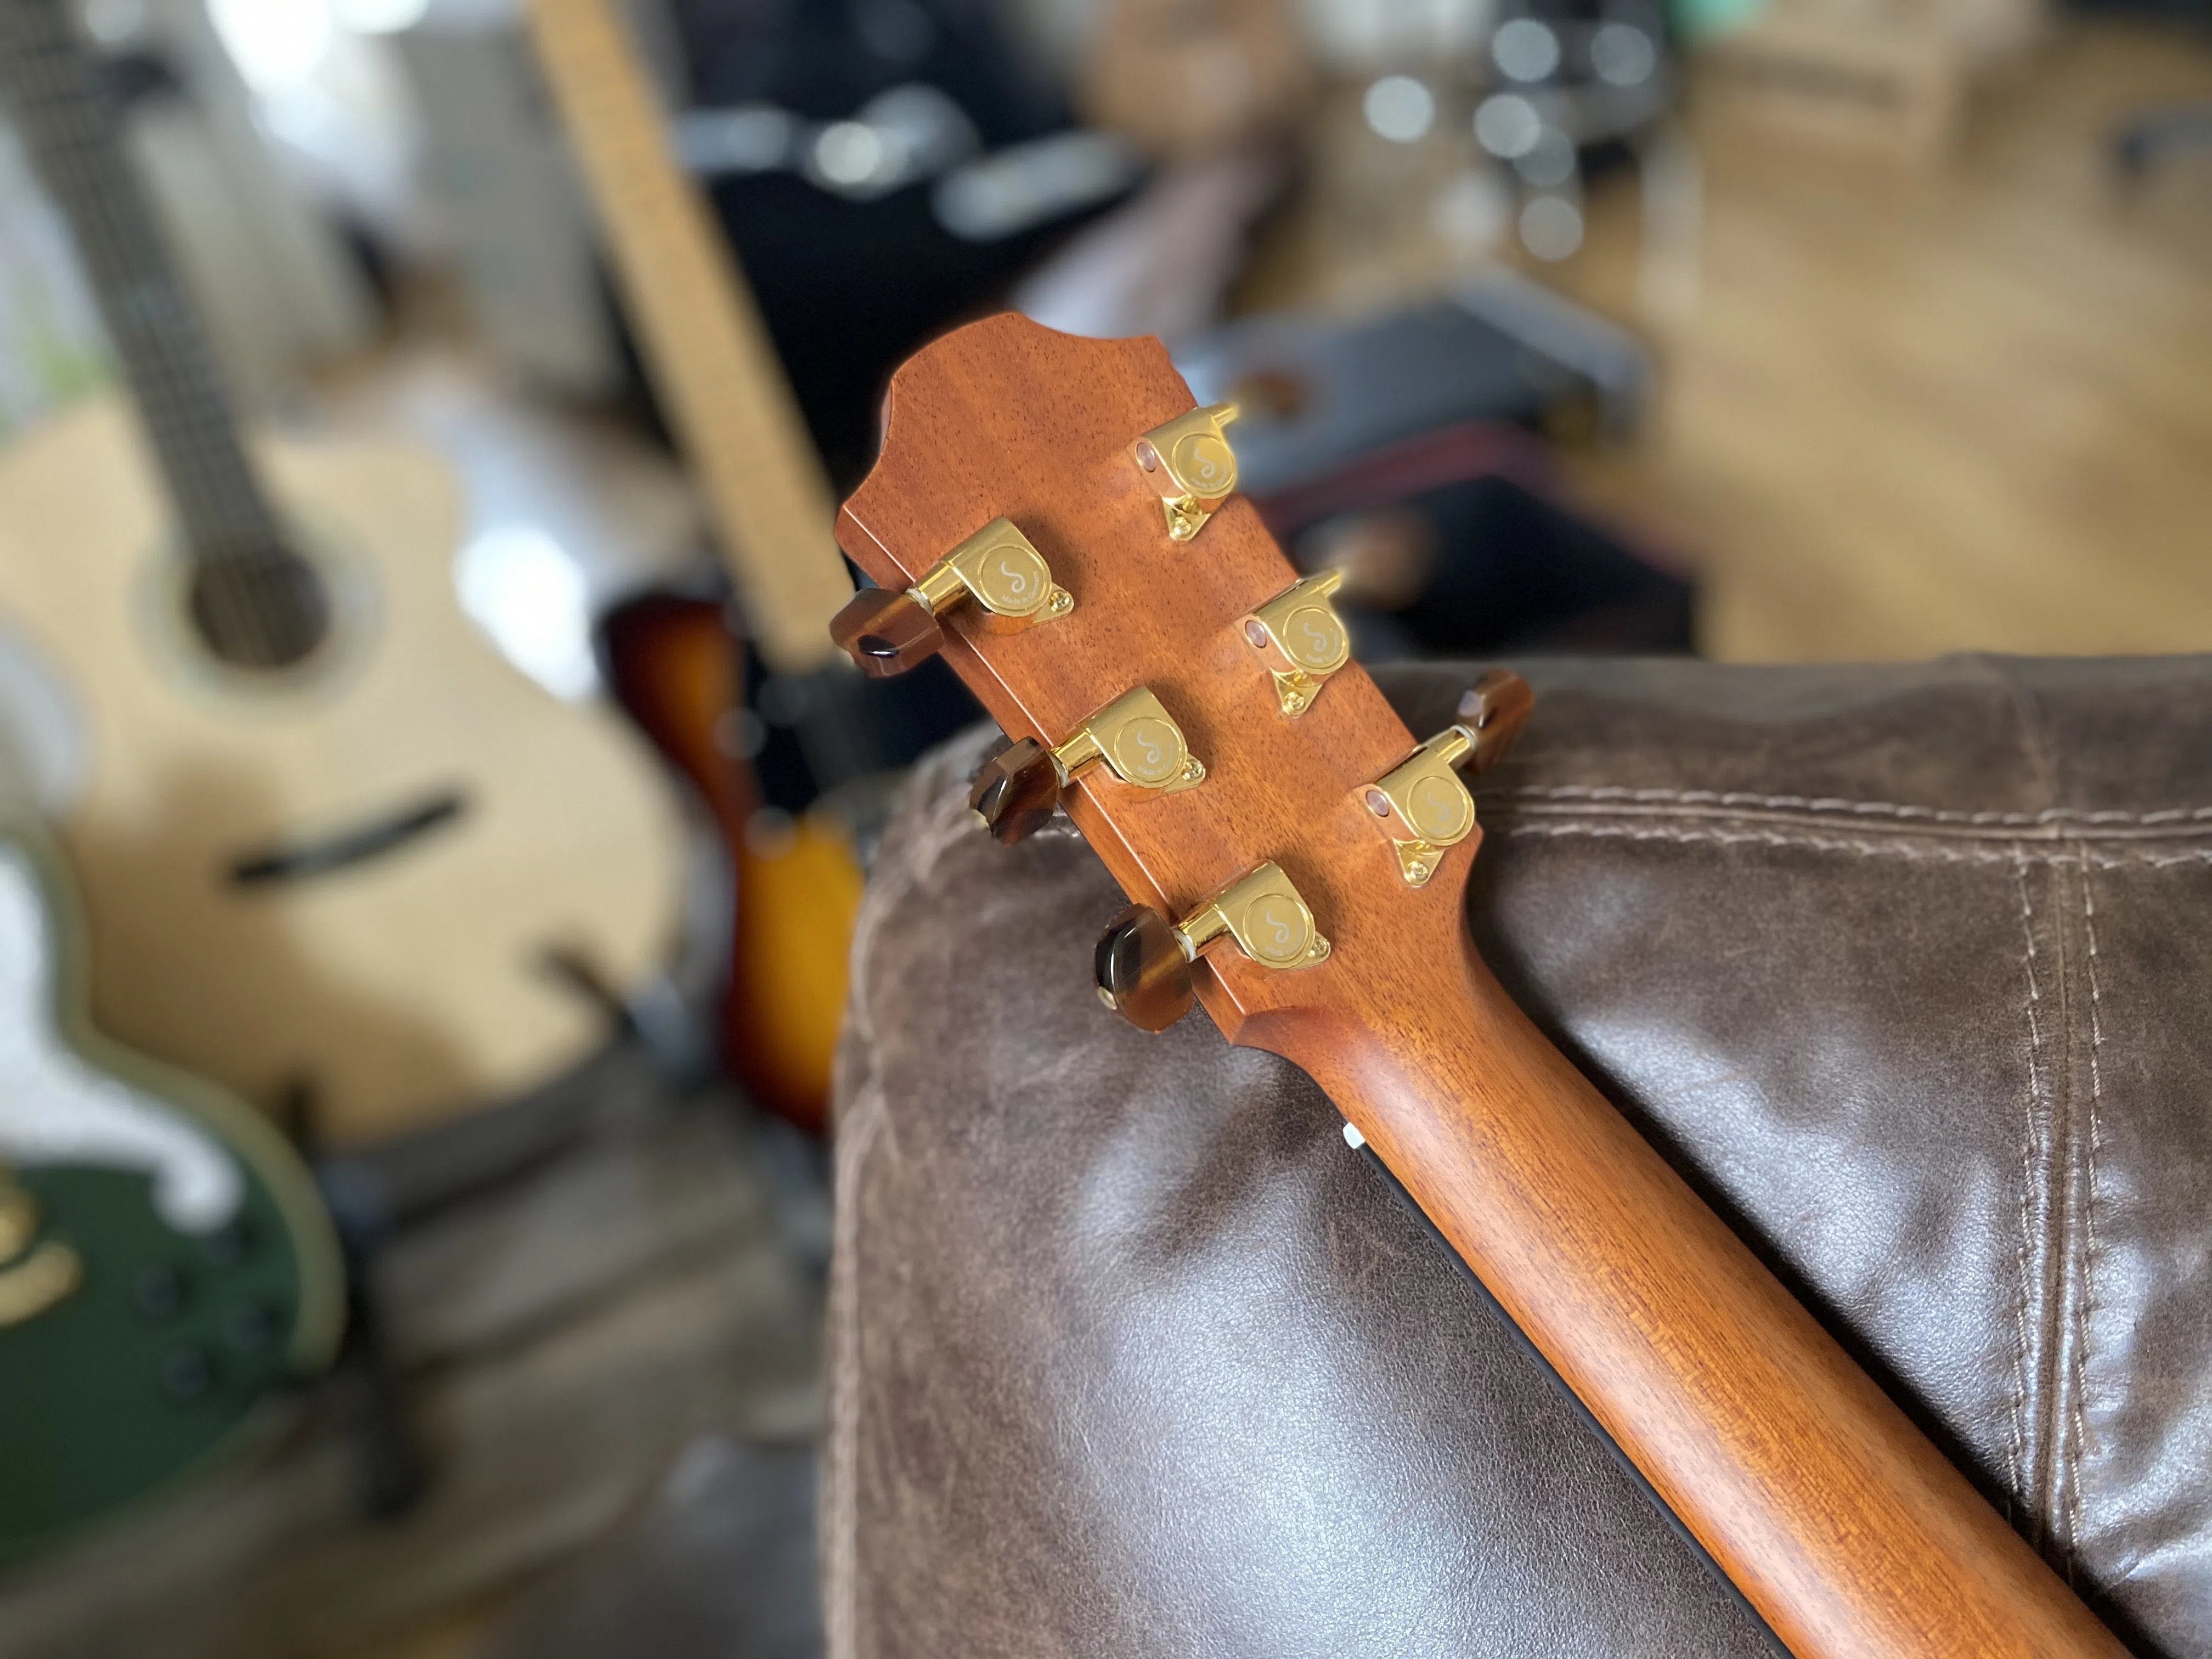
x,y
1301,639
1420,804
1189,464
1133,738
887,632
1143,964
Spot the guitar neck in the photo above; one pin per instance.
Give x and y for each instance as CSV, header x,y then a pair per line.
x,y
1835,1517
73,129
705,347
1841,1524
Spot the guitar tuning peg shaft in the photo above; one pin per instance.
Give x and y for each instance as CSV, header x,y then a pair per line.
x,y
1133,738
1142,966
1421,805
887,632
1493,711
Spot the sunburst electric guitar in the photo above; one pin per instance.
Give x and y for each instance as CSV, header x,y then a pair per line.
x,y
328,838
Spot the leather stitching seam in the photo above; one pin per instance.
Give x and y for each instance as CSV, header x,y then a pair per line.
x,y
2023,1347
2085,1307
2102,859
1835,803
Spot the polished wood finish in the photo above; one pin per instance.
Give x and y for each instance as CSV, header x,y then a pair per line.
x,y
705,346
1842,1525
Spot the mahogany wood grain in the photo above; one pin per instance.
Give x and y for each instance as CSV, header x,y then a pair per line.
x,y
1849,1532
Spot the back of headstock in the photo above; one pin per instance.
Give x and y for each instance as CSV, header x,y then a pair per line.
x,y
1008,426
1009,449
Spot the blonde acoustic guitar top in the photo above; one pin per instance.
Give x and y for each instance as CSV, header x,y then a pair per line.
x,y
410,982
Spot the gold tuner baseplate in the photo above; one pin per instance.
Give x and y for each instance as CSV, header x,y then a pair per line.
x,y
1133,738
1189,464
1142,966
1421,804
1301,639
888,631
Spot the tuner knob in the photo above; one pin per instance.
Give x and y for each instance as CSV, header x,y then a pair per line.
x,y
1141,971
887,632
1133,738
1142,965
1189,464
1420,804
1014,794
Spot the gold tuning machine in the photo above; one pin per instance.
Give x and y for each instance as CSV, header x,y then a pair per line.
x,y
887,631
1142,963
1189,462
1421,804
1301,639
1133,738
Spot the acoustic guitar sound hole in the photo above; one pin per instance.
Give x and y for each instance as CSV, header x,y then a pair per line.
x,y
261,612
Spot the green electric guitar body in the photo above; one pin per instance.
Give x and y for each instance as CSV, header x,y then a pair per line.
x,y
166,1264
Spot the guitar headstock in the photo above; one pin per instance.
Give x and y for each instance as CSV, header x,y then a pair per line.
x,y
1053,513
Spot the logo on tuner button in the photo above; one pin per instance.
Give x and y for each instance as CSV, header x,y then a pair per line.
x,y
1438,809
1279,930
1204,463
1314,639
1149,752
1014,580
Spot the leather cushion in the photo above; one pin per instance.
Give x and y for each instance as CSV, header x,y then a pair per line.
x,y
1906,966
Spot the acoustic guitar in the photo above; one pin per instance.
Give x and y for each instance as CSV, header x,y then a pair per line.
x,y
1055,518
165,1262
797,884
328,838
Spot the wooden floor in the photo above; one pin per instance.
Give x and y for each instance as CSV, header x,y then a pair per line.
x,y
1971,408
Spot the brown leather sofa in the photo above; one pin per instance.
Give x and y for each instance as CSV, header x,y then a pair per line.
x,y
1909,968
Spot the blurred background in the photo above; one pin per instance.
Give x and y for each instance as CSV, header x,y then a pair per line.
x,y
420,747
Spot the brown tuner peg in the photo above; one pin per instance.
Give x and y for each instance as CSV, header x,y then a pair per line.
x,y
1495,711
1133,738
1420,804
1143,964
886,631
1016,791
996,570
1141,971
